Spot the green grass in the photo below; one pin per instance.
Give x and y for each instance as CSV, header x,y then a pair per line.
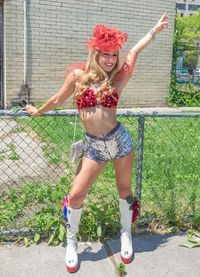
x,y
170,184
171,175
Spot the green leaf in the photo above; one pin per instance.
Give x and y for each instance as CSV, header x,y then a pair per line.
x,y
51,238
56,242
26,242
121,269
49,204
99,231
36,237
197,235
190,245
62,232
193,239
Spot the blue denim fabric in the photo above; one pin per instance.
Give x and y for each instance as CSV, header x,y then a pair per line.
x,y
113,145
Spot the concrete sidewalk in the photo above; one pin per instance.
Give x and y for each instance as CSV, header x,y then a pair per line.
x,y
155,256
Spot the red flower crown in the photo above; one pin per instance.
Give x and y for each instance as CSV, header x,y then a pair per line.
x,y
106,39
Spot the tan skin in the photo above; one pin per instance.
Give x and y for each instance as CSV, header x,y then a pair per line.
x,y
100,120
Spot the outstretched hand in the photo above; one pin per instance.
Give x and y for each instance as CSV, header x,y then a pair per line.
x,y
32,110
162,23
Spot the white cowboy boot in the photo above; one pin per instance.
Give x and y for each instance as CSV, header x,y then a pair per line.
x,y
73,219
126,238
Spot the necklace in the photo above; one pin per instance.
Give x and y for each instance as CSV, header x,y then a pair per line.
x,y
96,87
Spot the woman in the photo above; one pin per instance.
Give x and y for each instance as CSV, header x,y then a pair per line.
x,y
97,88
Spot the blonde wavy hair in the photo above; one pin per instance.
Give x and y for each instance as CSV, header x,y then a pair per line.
x,y
95,74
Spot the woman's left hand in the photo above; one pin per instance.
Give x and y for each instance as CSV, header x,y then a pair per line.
x,y
162,23
32,110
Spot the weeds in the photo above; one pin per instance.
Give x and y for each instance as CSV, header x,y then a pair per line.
x,y
121,269
9,153
193,238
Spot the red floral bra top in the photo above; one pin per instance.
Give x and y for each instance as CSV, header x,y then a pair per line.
x,y
88,99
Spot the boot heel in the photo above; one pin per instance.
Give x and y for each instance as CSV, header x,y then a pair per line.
x,y
127,260
72,269
71,257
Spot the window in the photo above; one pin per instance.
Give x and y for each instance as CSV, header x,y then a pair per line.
x,y
193,7
180,6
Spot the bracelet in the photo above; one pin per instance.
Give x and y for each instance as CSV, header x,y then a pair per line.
x,y
152,32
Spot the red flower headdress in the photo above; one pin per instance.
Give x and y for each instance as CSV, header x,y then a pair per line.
x,y
106,39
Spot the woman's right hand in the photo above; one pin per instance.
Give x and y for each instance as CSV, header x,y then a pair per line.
x,y
32,110
162,23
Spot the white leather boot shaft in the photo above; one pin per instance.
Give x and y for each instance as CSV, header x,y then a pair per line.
x,y
125,215
71,258
126,238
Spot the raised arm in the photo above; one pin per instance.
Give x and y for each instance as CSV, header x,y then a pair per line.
x,y
161,25
133,54
56,100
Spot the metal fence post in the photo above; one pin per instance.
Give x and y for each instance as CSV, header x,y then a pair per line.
x,y
141,120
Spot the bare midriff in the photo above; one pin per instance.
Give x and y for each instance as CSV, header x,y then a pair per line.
x,y
98,120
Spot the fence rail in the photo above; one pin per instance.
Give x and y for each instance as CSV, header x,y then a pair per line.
x,y
35,166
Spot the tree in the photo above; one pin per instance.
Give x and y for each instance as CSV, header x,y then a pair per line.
x,y
188,38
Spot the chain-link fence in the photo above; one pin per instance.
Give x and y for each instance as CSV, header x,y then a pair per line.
x,y
35,170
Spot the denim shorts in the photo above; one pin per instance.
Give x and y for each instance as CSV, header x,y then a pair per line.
x,y
113,145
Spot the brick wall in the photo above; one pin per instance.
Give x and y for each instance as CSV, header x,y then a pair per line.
x,y
57,33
